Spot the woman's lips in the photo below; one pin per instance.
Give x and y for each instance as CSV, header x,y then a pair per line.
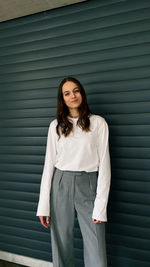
x,y
74,101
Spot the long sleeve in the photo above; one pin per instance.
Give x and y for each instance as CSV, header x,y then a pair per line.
x,y
50,157
104,173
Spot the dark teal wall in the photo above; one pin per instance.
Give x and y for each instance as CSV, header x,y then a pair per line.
x,y
106,45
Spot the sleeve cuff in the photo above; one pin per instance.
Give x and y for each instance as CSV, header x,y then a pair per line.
x,y
99,215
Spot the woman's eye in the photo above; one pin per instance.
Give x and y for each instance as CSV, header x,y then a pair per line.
x,y
75,91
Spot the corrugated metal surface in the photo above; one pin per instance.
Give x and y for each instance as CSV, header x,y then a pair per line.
x,y
106,45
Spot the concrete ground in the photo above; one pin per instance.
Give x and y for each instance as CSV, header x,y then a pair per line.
x,y
10,264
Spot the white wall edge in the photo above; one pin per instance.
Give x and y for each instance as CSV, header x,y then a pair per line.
x,y
19,259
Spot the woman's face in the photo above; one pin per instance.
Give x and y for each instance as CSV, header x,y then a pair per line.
x,y
71,95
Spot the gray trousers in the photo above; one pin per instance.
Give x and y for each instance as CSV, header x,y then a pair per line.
x,y
70,191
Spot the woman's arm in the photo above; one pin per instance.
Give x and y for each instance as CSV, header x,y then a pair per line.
x,y
50,158
104,173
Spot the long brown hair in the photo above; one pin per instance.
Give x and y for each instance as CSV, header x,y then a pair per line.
x,y
63,111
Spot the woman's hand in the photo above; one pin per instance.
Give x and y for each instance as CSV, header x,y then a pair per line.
x,y
96,221
44,221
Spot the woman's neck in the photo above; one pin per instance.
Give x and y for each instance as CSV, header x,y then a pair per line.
x,y
74,114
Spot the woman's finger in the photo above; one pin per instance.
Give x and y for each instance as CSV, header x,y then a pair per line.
x,y
47,220
96,221
43,221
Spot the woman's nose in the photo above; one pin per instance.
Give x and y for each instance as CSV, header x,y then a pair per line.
x,y
72,94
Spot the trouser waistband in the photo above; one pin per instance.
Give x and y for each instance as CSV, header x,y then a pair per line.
x,y
75,172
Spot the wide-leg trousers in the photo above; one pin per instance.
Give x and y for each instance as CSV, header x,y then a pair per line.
x,y
75,191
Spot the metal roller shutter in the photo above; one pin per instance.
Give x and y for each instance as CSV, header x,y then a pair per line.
x,y
106,45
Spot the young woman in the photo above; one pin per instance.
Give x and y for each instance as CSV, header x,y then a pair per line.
x,y
76,178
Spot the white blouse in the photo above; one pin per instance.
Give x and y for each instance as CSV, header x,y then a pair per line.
x,y
89,151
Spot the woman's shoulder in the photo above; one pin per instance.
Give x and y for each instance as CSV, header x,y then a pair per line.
x,y
97,118
53,123
98,122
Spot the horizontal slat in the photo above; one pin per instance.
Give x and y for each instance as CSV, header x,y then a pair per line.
x,y
44,121
129,219
131,209
20,233
25,168
129,163
131,152
16,195
23,159
25,224
93,58
132,197
130,186
130,231
136,175
115,74
21,177
127,241
141,257
17,204
24,150
46,57
131,141
20,187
